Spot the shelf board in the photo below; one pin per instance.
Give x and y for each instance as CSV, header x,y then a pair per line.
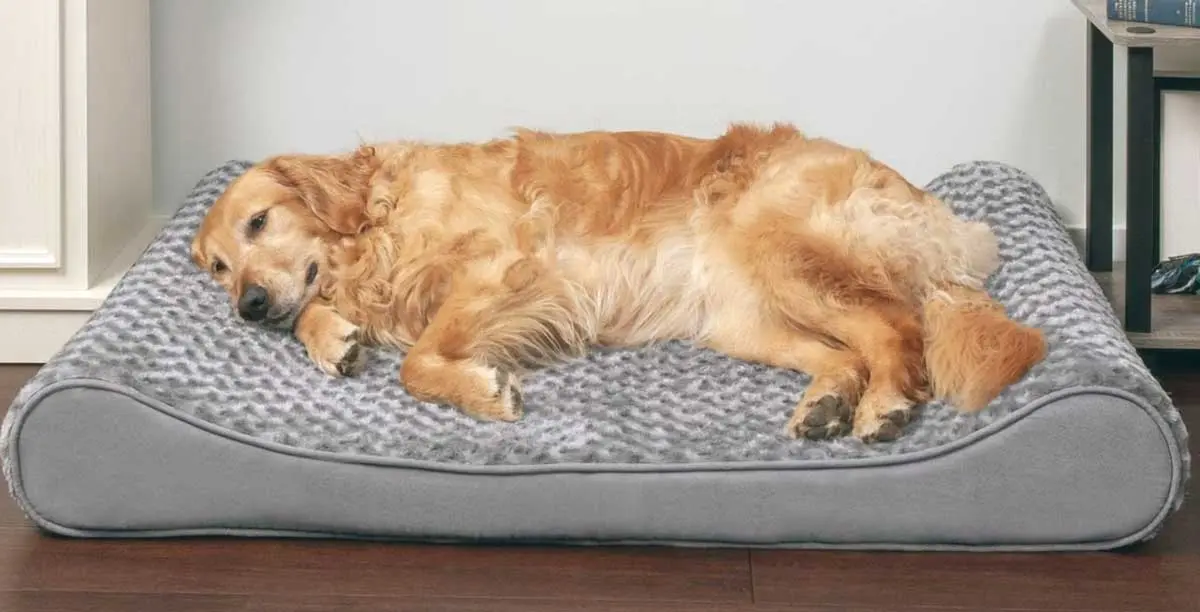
x,y
1133,34
1175,319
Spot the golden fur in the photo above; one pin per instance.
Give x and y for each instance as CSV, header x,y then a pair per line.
x,y
485,260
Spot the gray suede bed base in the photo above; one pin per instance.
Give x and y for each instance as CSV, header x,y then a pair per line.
x,y
1040,481
165,416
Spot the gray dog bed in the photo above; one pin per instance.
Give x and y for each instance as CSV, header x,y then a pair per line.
x,y
165,416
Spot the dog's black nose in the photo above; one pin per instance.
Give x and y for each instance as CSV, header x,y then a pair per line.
x,y
254,303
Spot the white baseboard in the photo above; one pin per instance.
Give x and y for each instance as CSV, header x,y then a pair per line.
x,y
35,336
34,323
1079,237
40,299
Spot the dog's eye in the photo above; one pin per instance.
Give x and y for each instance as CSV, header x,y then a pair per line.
x,y
218,266
257,222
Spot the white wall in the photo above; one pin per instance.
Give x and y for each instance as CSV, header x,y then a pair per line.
x,y
922,84
1181,182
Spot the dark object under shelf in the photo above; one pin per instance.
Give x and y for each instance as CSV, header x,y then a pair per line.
x,y
1179,274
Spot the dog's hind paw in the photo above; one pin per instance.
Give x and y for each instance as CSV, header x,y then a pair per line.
x,y
829,416
882,421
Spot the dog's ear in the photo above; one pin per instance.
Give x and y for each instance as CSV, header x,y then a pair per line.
x,y
334,188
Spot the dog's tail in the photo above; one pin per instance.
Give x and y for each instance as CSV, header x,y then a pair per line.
x,y
973,350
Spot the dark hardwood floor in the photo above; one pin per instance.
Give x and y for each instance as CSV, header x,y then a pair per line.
x,y
48,573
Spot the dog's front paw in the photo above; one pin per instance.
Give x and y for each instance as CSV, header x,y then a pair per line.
x,y
340,354
354,357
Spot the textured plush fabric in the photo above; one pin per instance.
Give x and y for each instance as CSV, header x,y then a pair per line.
x,y
169,332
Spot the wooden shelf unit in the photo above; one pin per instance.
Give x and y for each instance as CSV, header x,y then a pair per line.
x,y
1176,317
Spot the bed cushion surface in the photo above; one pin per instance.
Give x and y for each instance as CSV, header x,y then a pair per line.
x,y
164,353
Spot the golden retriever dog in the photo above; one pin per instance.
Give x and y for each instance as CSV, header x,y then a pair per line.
x,y
487,260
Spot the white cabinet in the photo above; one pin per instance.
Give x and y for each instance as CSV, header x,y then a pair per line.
x,y
75,163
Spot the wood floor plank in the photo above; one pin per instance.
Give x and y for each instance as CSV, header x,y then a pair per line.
x,y
983,581
12,378
11,516
470,604
50,601
320,568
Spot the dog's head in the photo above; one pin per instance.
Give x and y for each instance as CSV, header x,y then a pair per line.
x,y
265,239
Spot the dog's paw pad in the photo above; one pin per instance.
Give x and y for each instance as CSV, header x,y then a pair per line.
x,y
888,431
873,426
342,355
353,359
899,417
827,417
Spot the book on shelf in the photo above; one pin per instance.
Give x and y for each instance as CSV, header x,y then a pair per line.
x,y
1162,12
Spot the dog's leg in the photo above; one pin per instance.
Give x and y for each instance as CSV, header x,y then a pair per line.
x,y
889,339
817,284
487,333
891,344
332,341
838,374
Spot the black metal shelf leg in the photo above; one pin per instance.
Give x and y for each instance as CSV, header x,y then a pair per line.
x,y
1156,194
1140,190
1099,217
